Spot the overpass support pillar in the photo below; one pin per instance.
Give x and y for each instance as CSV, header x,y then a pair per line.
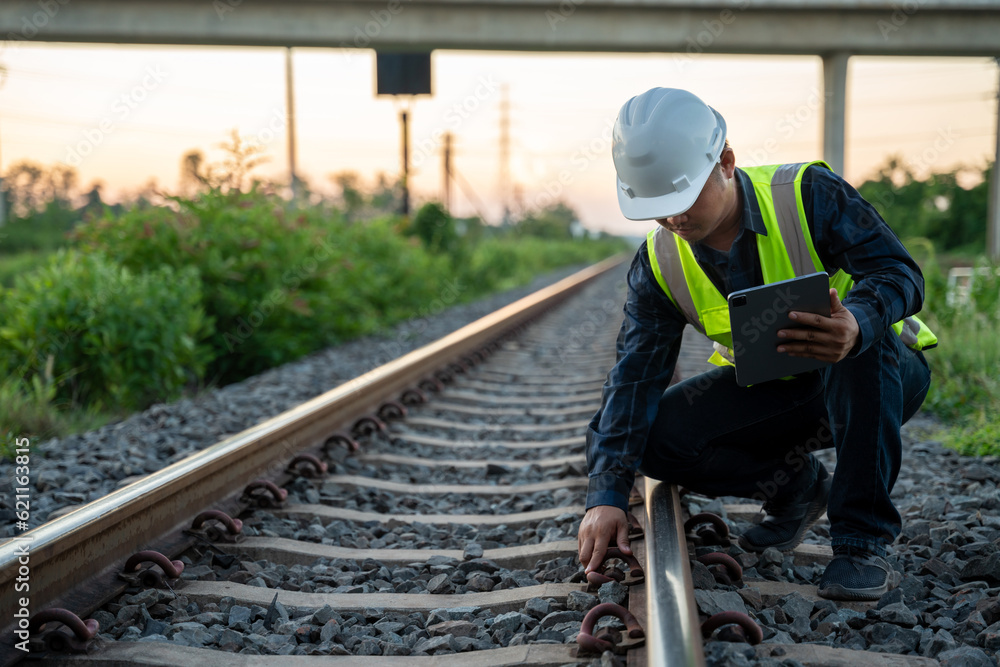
x,y
834,108
993,207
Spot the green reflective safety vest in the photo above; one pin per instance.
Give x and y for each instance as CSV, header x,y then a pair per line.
x,y
785,252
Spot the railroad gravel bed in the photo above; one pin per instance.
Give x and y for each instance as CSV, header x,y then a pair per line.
x,y
165,616
493,473
395,534
400,446
80,468
948,554
386,502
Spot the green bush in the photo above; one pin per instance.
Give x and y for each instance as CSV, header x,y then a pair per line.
x,y
277,284
107,336
965,385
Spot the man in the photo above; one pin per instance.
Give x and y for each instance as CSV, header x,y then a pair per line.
x,y
723,229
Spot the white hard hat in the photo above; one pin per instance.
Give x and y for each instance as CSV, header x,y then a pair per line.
x,y
665,144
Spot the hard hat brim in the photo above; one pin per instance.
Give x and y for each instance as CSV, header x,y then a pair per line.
x,y
664,206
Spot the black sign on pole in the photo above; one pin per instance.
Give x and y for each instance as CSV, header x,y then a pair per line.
x,y
403,73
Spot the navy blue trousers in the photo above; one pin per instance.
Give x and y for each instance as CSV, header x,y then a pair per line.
x,y
715,437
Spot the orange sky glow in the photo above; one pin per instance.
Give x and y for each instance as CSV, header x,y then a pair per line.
x,y
124,115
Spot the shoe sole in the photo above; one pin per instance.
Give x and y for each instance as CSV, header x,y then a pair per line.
x,y
808,522
838,592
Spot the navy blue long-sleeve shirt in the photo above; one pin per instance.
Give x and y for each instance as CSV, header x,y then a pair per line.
x,y
848,233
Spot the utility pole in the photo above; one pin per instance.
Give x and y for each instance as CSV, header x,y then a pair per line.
x,y
504,184
290,110
3,195
993,208
447,171
404,119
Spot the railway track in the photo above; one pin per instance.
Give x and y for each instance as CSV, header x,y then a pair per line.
x,y
438,532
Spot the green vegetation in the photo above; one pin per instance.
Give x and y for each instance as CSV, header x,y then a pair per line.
x,y
965,387
147,301
944,224
938,208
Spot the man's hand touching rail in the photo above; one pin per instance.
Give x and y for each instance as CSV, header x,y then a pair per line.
x,y
600,526
824,338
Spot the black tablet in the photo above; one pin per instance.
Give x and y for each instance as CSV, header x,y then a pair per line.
x,y
757,314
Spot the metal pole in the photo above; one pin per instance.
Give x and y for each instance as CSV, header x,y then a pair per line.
x,y
290,108
834,108
993,207
447,171
405,206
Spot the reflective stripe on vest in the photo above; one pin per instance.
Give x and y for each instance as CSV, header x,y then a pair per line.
x,y
785,251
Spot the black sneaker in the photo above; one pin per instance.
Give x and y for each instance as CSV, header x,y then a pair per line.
x,y
788,520
856,574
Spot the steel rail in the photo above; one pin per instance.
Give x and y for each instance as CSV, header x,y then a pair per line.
x,y
673,638
97,537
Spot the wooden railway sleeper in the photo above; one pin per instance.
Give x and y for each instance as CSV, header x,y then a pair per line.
x,y
740,627
55,639
150,577
606,573
617,641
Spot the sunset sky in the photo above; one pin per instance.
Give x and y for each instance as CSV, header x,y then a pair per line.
x,y
124,115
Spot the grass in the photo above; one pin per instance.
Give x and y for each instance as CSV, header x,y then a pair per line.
x,y
965,367
11,266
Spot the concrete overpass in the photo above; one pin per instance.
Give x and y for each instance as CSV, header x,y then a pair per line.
x,y
832,29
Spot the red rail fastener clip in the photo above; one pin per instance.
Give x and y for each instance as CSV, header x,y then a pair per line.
x,y
307,465
715,532
603,575
264,493
391,410
151,578
233,527
413,396
61,642
633,637
431,384
341,438
732,573
748,632
367,425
